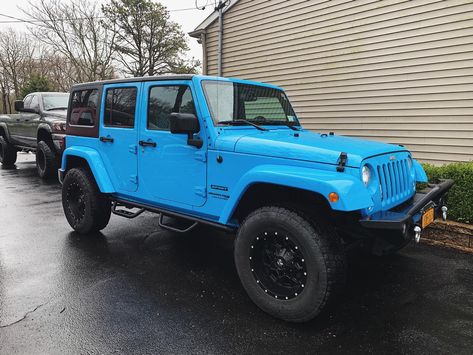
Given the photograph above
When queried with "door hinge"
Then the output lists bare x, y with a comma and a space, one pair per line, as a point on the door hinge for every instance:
133, 149
200, 190
134, 179
201, 155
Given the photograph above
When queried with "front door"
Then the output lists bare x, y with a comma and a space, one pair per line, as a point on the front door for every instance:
119, 134
23, 132
170, 171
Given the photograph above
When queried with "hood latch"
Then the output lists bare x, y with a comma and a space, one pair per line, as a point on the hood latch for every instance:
342, 161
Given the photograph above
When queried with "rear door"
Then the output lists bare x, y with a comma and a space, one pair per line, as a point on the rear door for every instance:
119, 134
170, 171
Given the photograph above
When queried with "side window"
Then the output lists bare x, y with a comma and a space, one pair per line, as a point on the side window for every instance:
164, 100
34, 105
27, 101
120, 107
84, 107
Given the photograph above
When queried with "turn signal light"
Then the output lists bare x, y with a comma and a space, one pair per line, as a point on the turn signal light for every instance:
333, 197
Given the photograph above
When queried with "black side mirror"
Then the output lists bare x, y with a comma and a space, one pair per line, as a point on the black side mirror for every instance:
19, 105
186, 123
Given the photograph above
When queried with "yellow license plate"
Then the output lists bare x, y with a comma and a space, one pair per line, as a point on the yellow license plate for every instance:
428, 217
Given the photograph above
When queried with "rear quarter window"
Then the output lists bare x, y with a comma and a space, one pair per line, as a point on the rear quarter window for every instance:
84, 107
84, 112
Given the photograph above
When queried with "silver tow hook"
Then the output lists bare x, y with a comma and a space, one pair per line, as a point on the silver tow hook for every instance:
444, 212
417, 231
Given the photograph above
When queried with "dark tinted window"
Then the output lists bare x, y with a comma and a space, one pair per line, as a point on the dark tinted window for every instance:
84, 107
164, 100
120, 107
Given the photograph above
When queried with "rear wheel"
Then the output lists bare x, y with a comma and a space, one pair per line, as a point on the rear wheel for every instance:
87, 210
7, 153
45, 161
289, 266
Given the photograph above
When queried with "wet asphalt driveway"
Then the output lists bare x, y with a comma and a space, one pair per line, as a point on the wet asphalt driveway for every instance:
138, 289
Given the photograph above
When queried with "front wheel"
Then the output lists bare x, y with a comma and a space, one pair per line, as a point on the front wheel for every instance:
289, 266
87, 210
45, 161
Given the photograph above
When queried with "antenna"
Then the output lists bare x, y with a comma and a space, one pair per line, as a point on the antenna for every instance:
201, 7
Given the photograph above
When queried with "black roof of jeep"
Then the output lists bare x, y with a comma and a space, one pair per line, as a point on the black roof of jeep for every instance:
134, 80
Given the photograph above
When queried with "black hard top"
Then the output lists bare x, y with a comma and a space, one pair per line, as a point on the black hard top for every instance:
135, 80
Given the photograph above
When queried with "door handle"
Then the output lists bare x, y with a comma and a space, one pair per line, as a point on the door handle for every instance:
106, 139
147, 144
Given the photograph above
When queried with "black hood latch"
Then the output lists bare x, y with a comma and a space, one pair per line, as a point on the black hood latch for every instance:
342, 161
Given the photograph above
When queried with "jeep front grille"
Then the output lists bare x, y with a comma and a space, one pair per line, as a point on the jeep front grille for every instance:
394, 181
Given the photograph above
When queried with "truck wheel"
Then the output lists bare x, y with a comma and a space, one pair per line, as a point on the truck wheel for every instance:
87, 210
7, 153
45, 161
289, 267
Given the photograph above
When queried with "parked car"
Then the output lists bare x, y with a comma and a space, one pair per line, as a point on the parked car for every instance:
39, 126
232, 154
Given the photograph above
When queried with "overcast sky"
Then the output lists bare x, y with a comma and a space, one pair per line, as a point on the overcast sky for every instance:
188, 19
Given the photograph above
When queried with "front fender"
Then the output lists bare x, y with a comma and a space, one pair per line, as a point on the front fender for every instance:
352, 192
421, 176
95, 163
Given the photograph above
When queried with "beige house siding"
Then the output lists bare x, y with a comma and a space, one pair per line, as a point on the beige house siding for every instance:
395, 71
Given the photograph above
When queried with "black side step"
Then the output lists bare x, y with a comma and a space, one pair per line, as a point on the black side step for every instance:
125, 213
174, 229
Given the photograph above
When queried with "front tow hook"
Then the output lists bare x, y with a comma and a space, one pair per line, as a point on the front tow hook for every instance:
444, 212
417, 233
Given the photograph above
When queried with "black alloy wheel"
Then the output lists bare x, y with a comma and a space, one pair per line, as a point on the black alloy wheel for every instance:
278, 265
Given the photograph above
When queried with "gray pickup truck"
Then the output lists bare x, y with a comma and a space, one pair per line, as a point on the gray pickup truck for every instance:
39, 126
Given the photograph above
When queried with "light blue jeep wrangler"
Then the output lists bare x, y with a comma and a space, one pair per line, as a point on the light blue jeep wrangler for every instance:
232, 154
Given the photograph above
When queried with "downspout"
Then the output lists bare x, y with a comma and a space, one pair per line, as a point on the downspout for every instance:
203, 41
220, 7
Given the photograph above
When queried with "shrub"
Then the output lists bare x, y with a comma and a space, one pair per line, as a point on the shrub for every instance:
460, 197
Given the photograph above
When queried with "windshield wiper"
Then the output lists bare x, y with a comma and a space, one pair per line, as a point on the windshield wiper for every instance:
56, 108
284, 123
243, 122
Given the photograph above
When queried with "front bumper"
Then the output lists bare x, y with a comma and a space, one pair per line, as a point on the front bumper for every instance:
408, 215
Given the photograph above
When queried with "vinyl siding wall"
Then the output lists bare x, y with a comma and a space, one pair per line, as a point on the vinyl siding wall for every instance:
395, 71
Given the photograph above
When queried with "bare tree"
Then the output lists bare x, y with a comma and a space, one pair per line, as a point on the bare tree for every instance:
15, 52
74, 31
148, 42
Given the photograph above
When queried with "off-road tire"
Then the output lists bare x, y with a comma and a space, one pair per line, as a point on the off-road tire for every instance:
46, 161
87, 210
324, 262
7, 153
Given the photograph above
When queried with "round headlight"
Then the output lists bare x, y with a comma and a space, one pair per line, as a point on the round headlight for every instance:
366, 174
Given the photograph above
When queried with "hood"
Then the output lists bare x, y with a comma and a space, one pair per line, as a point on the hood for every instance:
304, 145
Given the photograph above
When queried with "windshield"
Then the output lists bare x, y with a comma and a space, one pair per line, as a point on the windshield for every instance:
229, 101
55, 101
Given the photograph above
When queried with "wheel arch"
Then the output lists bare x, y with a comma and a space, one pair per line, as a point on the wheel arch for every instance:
309, 185
88, 158
44, 134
